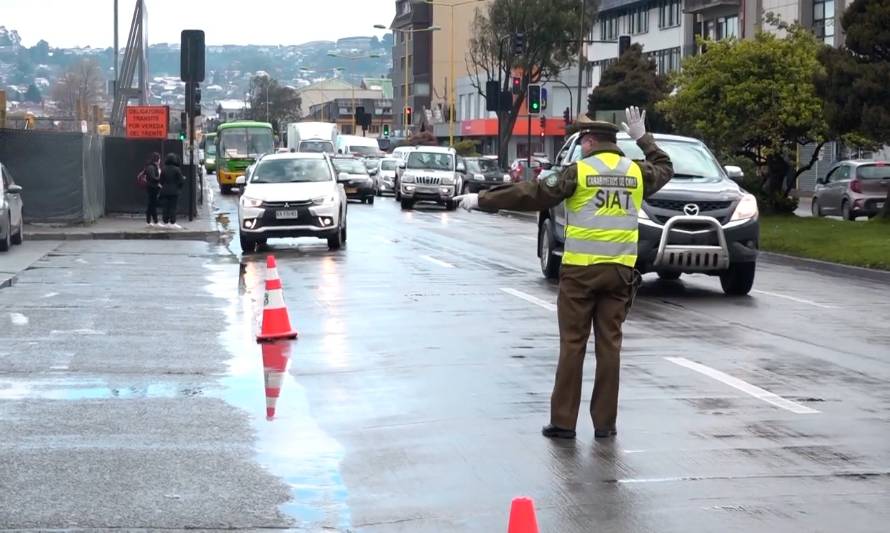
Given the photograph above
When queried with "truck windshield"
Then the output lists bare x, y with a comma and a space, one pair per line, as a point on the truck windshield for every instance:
690, 160
241, 143
318, 147
211, 149
364, 150
430, 161
291, 171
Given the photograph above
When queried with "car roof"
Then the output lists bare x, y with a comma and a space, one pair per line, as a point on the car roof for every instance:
294, 155
436, 149
861, 162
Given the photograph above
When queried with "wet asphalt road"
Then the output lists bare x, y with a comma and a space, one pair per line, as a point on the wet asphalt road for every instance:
132, 392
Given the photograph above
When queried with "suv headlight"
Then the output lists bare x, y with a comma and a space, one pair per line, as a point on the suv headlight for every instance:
247, 201
747, 208
478, 177
507, 178
407, 178
323, 200
448, 180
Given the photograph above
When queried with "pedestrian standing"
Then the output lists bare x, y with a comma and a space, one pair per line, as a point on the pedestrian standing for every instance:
152, 188
603, 194
172, 181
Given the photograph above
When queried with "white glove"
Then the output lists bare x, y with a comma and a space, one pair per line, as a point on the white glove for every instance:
636, 123
468, 201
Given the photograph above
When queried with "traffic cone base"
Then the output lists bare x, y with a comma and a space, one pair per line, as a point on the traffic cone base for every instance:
276, 323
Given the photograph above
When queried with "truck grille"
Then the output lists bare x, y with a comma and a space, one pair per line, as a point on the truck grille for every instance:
427, 180
677, 205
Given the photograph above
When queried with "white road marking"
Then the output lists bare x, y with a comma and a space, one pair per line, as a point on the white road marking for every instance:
50, 294
59, 367
744, 386
528, 238
793, 299
18, 319
529, 298
437, 261
77, 332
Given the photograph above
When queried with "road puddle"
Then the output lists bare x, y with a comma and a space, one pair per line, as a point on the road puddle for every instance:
260, 380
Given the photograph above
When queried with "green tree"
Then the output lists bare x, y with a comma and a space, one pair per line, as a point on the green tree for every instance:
33, 95
755, 98
632, 80
270, 102
552, 32
854, 84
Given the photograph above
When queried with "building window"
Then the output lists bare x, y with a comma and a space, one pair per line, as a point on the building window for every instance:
667, 60
823, 20
669, 13
638, 20
404, 7
609, 27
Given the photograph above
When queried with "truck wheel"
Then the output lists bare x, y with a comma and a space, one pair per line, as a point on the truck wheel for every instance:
397, 192
669, 275
370, 200
225, 189
337, 240
450, 205
407, 204
738, 279
550, 262
247, 245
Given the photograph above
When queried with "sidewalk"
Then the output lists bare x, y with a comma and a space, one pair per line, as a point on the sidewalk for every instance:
20, 258
114, 227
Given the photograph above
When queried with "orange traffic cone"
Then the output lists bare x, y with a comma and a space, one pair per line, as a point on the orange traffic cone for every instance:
275, 358
522, 516
276, 324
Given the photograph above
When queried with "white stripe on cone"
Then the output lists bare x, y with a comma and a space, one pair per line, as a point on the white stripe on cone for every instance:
272, 273
274, 300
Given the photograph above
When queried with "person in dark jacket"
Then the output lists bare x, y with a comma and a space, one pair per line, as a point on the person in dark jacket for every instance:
152, 188
172, 181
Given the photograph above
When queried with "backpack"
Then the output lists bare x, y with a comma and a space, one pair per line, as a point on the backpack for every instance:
142, 179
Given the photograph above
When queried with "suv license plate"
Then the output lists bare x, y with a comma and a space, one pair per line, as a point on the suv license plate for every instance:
287, 214
351, 190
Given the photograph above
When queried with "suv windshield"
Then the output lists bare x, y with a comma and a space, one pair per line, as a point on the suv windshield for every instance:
430, 161
481, 165
317, 147
350, 166
364, 150
388, 165
691, 160
873, 172
291, 171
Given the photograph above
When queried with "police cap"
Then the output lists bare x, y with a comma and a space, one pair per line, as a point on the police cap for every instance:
586, 124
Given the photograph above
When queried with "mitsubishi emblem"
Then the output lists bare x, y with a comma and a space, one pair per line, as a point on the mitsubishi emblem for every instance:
691, 209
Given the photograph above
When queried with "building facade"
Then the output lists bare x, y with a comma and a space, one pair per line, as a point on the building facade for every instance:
342, 110
412, 62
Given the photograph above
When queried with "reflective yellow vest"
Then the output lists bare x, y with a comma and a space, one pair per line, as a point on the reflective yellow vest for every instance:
601, 216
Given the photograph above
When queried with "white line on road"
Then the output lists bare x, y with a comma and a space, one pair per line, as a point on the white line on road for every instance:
528, 238
437, 261
529, 298
18, 319
50, 295
793, 299
744, 386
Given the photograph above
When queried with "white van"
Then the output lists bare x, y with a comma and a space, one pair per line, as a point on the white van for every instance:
358, 146
319, 137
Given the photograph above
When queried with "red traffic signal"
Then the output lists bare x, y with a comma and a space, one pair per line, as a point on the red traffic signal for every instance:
543, 124
408, 115
517, 85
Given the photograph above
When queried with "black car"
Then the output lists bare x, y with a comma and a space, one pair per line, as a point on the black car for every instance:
701, 221
353, 174
483, 173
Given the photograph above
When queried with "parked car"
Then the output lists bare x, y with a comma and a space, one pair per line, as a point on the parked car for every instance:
351, 171
385, 175
852, 189
701, 221
431, 174
291, 195
483, 173
11, 221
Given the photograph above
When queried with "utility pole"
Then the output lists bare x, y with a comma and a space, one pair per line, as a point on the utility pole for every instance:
580, 55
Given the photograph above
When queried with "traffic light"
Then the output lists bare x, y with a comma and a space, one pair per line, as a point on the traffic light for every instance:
567, 116
492, 90
517, 84
196, 100
386, 130
183, 126
543, 98
408, 115
623, 44
534, 99
519, 44
360, 115
543, 124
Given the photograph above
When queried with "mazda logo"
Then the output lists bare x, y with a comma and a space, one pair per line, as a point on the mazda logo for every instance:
690, 209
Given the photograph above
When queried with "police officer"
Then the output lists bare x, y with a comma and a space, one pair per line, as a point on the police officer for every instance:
603, 194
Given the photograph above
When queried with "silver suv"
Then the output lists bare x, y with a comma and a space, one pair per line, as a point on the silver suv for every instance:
431, 174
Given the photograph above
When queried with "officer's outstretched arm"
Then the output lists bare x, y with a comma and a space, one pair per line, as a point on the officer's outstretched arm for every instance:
535, 195
657, 170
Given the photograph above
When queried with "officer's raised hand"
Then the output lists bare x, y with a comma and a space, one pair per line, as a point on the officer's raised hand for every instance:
467, 201
635, 126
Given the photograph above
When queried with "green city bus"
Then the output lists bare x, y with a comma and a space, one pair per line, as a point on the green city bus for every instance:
238, 145
209, 146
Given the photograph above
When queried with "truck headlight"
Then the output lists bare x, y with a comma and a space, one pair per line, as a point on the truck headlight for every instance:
747, 208
407, 178
448, 180
507, 178
247, 201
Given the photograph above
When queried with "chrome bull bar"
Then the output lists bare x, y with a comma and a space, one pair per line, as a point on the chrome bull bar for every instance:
688, 257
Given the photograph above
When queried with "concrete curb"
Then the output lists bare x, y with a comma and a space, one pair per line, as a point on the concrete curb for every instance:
8, 282
209, 236
826, 267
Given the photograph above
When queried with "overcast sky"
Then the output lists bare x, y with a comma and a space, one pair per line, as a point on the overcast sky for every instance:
71, 23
